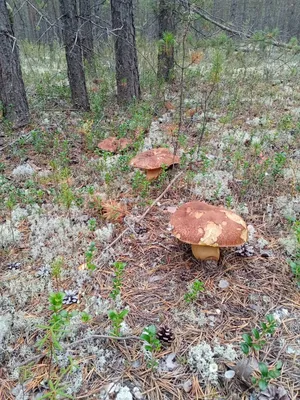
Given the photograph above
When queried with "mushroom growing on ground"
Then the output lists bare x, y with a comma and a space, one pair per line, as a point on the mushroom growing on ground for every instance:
109, 144
114, 144
152, 161
207, 228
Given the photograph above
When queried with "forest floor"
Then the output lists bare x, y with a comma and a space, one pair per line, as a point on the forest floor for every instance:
64, 202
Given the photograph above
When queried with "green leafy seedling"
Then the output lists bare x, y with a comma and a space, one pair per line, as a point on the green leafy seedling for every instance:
89, 255
117, 280
196, 288
149, 336
266, 374
255, 340
117, 319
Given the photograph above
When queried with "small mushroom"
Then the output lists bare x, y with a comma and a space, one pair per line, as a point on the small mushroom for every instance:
109, 144
123, 143
152, 161
207, 228
113, 144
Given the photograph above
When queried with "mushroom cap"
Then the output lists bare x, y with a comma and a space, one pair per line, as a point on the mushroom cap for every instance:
154, 158
123, 143
201, 224
109, 144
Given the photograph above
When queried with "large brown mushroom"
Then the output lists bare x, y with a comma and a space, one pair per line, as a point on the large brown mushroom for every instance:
207, 228
152, 161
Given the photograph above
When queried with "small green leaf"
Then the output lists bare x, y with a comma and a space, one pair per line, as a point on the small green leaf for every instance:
148, 347
262, 384
279, 364
263, 325
145, 336
247, 338
256, 346
263, 369
255, 333
245, 348
270, 318
152, 329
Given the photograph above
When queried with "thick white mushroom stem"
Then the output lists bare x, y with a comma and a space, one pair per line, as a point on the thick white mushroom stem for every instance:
206, 252
153, 173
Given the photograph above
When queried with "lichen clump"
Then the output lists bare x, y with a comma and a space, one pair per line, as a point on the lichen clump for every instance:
203, 359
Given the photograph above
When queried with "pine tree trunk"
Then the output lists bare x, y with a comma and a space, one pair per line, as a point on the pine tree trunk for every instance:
74, 54
12, 90
127, 74
86, 30
165, 65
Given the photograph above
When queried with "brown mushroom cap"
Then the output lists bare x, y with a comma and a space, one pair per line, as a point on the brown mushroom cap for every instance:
109, 144
201, 224
154, 159
123, 143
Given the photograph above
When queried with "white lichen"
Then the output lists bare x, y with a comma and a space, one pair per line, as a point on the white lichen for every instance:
203, 358
18, 214
105, 233
52, 236
9, 235
288, 206
191, 315
124, 394
290, 244
23, 170
213, 186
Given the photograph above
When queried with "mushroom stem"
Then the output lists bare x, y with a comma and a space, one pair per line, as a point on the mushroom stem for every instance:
153, 173
206, 252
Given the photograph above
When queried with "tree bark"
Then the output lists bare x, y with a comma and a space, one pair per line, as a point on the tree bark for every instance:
12, 89
127, 74
86, 30
166, 26
74, 54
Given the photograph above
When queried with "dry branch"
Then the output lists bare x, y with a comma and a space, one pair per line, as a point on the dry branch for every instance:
145, 213
204, 14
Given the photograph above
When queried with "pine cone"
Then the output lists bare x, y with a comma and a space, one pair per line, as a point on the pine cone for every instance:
165, 334
14, 266
185, 275
274, 393
71, 297
245, 250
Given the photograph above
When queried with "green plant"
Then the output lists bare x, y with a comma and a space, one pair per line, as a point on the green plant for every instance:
217, 67
279, 162
152, 345
55, 328
56, 391
140, 183
166, 44
117, 280
56, 269
89, 255
116, 319
196, 288
229, 201
258, 337
266, 374
149, 336
92, 223
66, 196
85, 317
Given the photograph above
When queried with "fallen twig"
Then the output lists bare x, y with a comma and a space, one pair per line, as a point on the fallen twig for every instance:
145, 213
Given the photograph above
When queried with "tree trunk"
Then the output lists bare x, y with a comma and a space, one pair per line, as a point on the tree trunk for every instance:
86, 30
12, 90
74, 54
127, 73
166, 30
